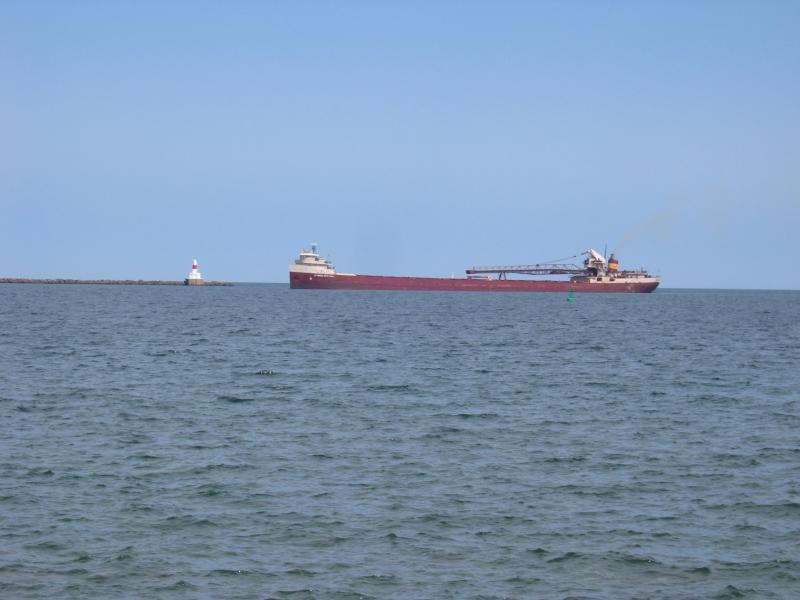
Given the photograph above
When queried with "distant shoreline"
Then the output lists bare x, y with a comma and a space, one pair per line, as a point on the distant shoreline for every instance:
110, 281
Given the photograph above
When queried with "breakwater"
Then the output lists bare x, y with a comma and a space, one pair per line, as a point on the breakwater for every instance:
107, 281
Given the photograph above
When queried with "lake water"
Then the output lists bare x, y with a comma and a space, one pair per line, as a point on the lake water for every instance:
261, 442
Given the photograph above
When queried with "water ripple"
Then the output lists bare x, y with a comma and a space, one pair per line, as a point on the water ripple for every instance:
281, 444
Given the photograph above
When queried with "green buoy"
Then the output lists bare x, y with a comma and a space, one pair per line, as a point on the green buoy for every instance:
571, 295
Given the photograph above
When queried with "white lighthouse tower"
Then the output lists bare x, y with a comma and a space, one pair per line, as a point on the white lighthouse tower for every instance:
194, 277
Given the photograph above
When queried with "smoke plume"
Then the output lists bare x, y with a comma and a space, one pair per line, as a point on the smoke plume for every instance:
659, 224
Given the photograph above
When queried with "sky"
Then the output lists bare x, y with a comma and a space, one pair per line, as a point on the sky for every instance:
405, 138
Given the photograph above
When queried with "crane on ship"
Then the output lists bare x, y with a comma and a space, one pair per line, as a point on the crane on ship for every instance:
594, 265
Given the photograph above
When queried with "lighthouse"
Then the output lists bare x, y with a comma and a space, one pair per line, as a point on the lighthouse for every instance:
194, 277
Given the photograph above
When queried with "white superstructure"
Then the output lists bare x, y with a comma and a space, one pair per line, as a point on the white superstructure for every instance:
310, 261
602, 271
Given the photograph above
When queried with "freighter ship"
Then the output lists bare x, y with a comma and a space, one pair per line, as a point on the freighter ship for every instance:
311, 271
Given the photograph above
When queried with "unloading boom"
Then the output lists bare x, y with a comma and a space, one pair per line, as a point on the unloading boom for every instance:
595, 264
537, 269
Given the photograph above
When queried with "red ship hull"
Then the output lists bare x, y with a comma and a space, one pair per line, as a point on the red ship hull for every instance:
441, 284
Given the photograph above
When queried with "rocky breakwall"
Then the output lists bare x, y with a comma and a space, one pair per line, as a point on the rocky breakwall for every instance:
106, 281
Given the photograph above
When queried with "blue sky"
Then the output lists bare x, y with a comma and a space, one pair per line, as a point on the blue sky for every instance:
404, 137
